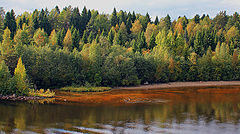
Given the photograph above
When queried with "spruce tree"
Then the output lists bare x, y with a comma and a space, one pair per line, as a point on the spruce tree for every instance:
84, 37
75, 38
90, 37
10, 22
111, 36
152, 43
156, 21
114, 18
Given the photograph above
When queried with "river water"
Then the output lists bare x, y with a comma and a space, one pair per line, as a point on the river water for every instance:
175, 111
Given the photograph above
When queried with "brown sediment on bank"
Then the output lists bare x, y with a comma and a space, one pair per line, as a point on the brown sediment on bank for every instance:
157, 93
185, 84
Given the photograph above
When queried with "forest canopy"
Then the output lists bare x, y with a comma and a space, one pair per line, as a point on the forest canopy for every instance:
71, 47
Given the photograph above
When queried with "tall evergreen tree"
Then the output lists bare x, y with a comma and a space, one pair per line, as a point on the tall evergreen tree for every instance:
141, 42
75, 19
168, 22
111, 36
133, 17
90, 37
60, 37
84, 37
152, 43
44, 22
114, 18
10, 22
156, 20
75, 38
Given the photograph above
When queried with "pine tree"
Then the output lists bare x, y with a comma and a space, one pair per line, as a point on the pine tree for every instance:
20, 76
111, 36
118, 39
84, 37
75, 19
198, 44
114, 18
196, 18
67, 42
133, 17
129, 25
10, 22
167, 20
156, 21
152, 43
141, 42
90, 37
75, 38
44, 22
60, 37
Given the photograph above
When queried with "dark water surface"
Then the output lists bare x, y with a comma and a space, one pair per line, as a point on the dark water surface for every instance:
185, 112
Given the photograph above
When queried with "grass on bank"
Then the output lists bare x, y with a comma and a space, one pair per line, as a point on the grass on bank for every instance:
85, 89
41, 93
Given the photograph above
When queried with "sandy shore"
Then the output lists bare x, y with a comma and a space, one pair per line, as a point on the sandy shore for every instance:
185, 84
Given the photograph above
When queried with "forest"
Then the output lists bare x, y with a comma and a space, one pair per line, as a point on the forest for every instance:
58, 48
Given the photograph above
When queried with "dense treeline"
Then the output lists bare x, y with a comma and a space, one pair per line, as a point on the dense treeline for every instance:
72, 47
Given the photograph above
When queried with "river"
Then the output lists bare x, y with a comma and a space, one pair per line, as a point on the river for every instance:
198, 110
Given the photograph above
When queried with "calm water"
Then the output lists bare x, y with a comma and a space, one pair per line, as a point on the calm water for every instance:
179, 113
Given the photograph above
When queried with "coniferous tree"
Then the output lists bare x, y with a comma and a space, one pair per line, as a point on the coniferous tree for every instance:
84, 37
10, 22
67, 41
167, 20
156, 20
75, 38
60, 37
40, 37
21, 77
114, 18
90, 37
75, 19
133, 17
129, 25
118, 39
196, 18
152, 43
44, 22
198, 44
141, 42
84, 19
111, 36
53, 39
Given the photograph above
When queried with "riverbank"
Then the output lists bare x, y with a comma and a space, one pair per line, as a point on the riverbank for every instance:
185, 84
19, 98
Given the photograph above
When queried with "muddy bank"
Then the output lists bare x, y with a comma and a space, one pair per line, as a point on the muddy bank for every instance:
19, 98
185, 84
136, 95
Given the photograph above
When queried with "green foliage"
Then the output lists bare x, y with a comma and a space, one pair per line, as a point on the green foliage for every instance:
7, 83
40, 38
20, 76
41, 93
120, 49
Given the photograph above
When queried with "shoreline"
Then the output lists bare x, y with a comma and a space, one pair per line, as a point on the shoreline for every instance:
183, 84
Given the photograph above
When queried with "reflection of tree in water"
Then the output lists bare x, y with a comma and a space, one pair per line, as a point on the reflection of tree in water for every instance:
180, 109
